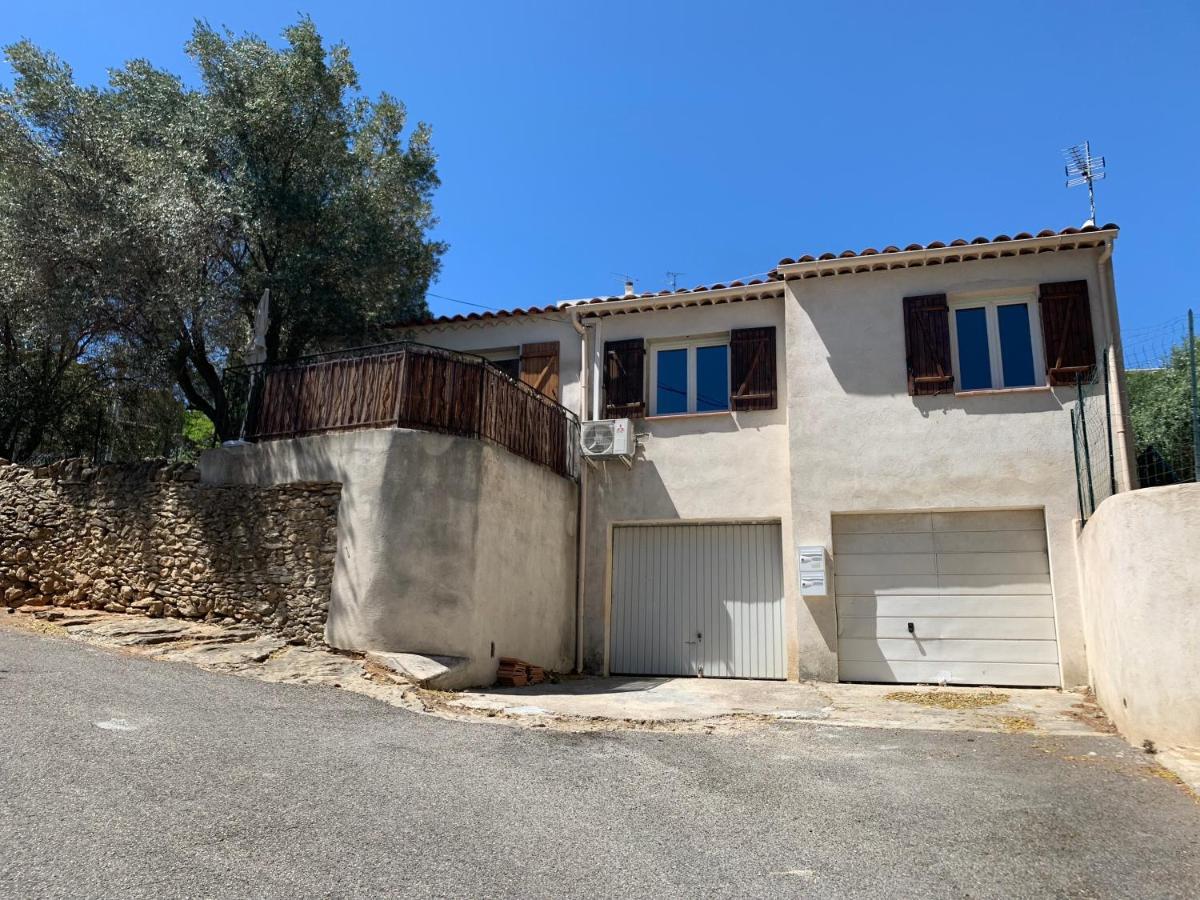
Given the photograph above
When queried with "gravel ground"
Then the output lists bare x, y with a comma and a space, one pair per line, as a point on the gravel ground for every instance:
126, 776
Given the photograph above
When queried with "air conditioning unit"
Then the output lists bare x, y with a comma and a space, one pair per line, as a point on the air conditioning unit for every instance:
608, 438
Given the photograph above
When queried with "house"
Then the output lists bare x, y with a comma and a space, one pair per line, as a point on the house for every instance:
860, 467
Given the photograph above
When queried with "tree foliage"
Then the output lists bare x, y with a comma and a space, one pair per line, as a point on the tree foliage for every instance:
146, 217
1160, 408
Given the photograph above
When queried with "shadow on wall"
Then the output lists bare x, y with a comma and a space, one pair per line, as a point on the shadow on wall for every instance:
864, 349
640, 494
447, 545
989, 404
265, 463
402, 503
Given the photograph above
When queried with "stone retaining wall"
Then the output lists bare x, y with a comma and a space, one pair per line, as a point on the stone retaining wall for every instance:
150, 538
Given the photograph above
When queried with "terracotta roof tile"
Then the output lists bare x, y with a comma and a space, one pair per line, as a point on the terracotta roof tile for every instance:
775, 276
939, 245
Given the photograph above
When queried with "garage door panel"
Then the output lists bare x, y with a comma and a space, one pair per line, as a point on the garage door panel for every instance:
875, 585
948, 650
887, 585
687, 598
888, 564
1002, 674
1007, 628
870, 523
961, 605
916, 542
987, 616
992, 563
988, 541
989, 520
1031, 583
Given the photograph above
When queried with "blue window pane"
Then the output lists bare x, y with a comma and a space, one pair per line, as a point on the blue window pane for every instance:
974, 363
1016, 346
671, 390
712, 378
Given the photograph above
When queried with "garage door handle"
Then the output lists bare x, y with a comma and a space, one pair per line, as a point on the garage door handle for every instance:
911, 629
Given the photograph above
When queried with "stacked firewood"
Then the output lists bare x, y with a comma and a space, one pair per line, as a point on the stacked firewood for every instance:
514, 672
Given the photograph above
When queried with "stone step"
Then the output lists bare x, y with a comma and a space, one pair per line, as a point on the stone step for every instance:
421, 669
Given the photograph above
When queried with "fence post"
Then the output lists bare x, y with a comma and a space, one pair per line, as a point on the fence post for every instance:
1087, 452
483, 384
1195, 398
1078, 474
258, 383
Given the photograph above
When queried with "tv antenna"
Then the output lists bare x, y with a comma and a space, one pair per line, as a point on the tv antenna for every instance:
1083, 168
673, 277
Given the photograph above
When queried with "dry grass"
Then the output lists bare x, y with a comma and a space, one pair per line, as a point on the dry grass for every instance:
29, 623
1157, 770
949, 699
1016, 724
1164, 773
1089, 712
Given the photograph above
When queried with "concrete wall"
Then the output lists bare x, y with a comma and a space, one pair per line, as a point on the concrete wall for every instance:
445, 544
1139, 557
714, 467
859, 442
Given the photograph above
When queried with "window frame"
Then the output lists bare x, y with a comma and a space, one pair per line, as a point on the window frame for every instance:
503, 355
990, 302
690, 344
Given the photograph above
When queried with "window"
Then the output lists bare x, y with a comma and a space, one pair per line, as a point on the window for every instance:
690, 377
995, 343
507, 360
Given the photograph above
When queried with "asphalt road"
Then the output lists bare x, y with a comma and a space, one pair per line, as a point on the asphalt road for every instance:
126, 777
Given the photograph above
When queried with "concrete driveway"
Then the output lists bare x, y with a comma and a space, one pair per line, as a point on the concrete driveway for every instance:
665, 700
137, 777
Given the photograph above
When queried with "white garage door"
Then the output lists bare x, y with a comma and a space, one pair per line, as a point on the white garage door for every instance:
697, 600
959, 597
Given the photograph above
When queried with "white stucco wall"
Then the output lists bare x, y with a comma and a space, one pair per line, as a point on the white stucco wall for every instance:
445, 544
858, 441
847, 437
1139, 556
714, 467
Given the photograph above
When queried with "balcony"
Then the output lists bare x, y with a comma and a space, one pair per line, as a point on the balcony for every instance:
406, 385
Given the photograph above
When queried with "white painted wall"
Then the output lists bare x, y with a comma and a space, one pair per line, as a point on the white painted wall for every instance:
445, 544
846, 438
1138, 556
717, 467
858, 442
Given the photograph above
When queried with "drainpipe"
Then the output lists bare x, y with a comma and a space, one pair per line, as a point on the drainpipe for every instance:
597, 364
1126, 470
581, 509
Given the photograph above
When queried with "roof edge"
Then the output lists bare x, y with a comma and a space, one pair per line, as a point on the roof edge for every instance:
891, 257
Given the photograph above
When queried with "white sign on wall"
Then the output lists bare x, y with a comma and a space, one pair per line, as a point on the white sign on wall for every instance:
810, 566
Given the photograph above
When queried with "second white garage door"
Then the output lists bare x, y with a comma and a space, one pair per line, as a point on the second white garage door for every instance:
959, 597
698, 600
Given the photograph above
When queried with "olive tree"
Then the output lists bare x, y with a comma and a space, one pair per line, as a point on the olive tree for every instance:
154, 213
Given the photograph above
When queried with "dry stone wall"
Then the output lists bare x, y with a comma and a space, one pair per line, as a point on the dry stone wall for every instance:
150, 538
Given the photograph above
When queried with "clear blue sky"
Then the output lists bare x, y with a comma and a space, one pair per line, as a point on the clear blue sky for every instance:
581, 139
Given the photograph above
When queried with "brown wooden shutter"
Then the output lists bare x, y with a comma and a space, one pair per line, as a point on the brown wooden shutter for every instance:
927, 345
1067, 331
539, 367
624, 379
752, 369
